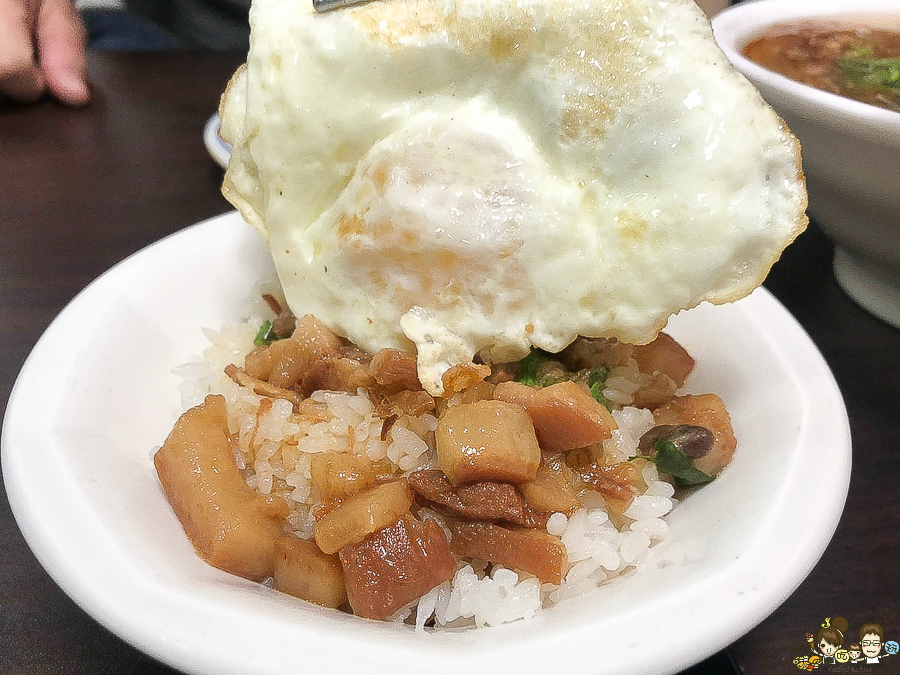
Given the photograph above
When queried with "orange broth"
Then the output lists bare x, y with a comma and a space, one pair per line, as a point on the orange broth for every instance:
855, 60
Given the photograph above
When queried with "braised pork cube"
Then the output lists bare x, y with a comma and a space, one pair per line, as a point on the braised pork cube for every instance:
284, 363
394, 370
487, 441
354, 519
464, 383
261, 387
616, 482
468, 379
232, 527
484, 500
587, 353
668, 364
553, 488
304, 571
395, 565
339, 475
406, 402
347, 372
565, 415
658, 391
708, 411
312, 358
664, 355
532, 551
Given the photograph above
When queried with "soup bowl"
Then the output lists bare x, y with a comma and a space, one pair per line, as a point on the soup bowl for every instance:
851, 150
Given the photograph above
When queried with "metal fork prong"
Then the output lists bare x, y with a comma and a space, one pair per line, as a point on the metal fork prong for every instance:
328, 5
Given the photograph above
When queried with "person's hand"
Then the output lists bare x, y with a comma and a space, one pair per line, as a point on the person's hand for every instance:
42, 51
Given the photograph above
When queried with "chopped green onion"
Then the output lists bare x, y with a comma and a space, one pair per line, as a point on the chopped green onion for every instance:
527, 372
266, 334
872, 73
669, 459
596, 383
860, 52
598, 376
597, 393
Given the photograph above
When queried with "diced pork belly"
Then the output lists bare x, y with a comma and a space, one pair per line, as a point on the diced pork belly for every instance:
312, 358
706, 410
657, 391
338, 373
405, 402
261, 387
478, 501
532, 551
487, 441
312, 342
463, 377
592, 352
552, 490
479, 391
668, 364
395, 565
617, 482
503, 372
394, 370
259, 362
664, 355
304, 571
285, 362
565, 415
339, 475
232, 527
354, 519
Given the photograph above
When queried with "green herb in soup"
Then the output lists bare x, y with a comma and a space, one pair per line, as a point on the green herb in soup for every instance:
876, 74
855, 61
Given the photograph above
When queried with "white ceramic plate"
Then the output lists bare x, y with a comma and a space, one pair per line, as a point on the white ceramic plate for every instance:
97, 395
218, 149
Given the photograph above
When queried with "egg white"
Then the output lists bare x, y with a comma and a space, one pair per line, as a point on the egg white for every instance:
468, 176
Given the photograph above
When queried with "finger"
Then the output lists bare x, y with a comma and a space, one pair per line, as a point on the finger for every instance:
20, 77
61, 39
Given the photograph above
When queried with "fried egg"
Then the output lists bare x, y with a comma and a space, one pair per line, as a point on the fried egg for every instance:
464, 176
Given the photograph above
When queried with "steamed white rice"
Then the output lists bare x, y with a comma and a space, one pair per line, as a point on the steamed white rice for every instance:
275, 450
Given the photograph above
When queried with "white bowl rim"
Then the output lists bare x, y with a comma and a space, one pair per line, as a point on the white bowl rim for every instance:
198, 619
737, 25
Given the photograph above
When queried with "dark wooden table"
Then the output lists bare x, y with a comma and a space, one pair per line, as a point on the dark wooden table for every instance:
82, 189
